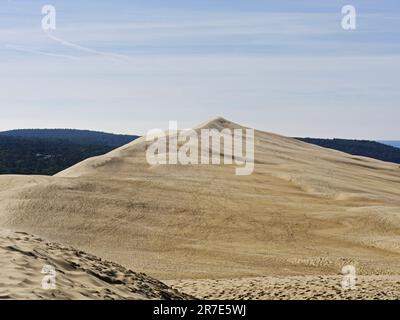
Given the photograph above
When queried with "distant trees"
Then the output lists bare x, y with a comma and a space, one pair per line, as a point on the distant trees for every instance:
366, 148
77, 136
47, 152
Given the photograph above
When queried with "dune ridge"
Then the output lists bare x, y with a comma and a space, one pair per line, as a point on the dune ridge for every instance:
78, 275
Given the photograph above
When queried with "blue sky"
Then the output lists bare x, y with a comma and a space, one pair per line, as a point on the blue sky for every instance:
129, 66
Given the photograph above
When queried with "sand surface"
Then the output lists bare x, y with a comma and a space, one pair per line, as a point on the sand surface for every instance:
292, 288
78, 275
305, 211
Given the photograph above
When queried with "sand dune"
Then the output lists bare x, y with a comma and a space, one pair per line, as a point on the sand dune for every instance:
78, 275
305, 210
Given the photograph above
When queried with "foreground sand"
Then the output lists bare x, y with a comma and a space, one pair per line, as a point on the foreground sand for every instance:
291, 288
78, 275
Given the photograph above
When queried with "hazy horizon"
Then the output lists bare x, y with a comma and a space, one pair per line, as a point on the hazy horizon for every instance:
166, 128
126, 67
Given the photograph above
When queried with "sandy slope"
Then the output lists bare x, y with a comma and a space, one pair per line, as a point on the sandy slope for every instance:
78, 275
305, 210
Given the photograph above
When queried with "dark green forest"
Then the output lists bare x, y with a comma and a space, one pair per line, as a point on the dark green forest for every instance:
366, 148
47, 152
85, 137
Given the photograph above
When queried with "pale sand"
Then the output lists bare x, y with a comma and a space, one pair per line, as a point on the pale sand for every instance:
306, 210
78, 275
292, 288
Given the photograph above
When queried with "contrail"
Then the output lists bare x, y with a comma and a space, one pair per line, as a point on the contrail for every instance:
43, 53
85, 49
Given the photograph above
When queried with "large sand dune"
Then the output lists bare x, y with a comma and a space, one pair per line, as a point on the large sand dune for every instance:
305, 210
